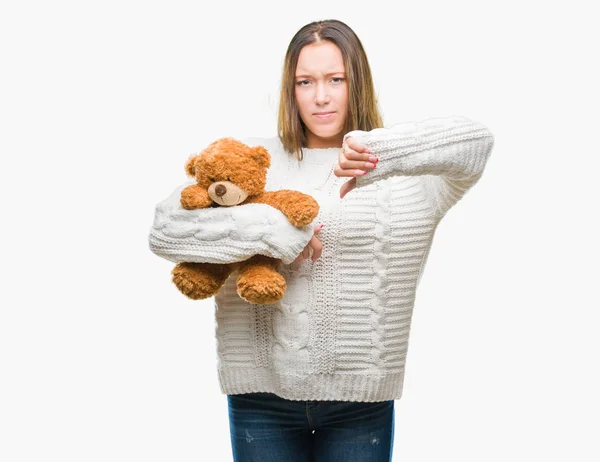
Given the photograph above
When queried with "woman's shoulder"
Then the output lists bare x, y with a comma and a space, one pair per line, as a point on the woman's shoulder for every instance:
270, 143
279, 158
273, 144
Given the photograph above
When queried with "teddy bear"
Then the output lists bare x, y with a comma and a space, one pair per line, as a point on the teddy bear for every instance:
230, 173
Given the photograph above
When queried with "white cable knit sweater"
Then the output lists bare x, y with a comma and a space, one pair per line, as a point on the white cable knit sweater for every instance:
341, 331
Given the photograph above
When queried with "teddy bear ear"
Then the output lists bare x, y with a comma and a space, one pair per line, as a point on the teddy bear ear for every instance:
190, 165
262, 156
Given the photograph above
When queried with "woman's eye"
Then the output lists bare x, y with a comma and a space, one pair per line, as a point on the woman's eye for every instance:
304, 83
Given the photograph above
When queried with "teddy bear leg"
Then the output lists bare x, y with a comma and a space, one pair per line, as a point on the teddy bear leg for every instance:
259, 280
200, 280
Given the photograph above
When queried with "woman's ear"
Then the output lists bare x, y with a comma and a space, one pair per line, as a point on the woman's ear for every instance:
261, 156
190, 165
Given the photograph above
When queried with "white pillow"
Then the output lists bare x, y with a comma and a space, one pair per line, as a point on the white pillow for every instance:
224, 234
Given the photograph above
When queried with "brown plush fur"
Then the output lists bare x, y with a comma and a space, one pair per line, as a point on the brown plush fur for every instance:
231, 171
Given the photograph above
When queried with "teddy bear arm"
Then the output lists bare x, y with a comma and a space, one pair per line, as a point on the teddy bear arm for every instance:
300, 209
195, 197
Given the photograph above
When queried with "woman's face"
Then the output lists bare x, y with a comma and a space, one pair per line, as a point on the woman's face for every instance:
322, 94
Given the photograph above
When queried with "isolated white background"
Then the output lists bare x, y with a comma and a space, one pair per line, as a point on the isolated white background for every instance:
102, 359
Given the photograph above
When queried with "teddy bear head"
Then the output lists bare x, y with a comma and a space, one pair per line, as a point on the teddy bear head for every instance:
230, 170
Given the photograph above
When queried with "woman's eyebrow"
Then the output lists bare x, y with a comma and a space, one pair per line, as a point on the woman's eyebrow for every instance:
326, 75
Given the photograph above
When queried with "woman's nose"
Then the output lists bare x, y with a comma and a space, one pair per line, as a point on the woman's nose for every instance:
322, 96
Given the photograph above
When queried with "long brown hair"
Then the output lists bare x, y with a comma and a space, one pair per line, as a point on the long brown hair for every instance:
363, 113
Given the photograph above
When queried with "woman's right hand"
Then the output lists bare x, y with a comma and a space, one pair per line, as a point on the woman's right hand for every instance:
314, 244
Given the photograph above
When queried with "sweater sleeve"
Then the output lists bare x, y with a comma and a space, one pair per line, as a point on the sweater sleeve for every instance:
223, 234
449, 153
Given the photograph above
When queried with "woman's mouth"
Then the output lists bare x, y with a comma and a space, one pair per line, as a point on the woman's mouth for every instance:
324, 115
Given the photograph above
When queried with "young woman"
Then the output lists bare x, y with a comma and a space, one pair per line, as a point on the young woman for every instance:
315, 375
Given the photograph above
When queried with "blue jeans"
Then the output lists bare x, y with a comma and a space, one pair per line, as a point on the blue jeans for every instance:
267, 428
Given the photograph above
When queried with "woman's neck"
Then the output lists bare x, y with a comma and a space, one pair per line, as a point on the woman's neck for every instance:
317, 142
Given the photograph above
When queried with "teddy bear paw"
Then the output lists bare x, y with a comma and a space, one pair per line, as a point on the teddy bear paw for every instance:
195, 281
259, 290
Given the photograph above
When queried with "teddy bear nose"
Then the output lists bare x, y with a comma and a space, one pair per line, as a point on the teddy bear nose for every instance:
220, 190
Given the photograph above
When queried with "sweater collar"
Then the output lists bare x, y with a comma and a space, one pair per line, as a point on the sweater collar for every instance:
320, 156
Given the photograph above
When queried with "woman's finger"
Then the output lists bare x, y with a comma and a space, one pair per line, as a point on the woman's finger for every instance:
347, 187
317, 248
306, 252
355, 145
340, 172
350, 155
313, 245
296, 263
346, 164
352, 163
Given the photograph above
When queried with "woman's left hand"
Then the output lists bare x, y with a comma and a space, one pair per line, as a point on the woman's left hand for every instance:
354, 160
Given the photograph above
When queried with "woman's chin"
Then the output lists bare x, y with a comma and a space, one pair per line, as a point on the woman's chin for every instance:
328, 136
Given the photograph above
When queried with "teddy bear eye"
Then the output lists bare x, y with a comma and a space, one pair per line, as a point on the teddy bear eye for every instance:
212, 180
